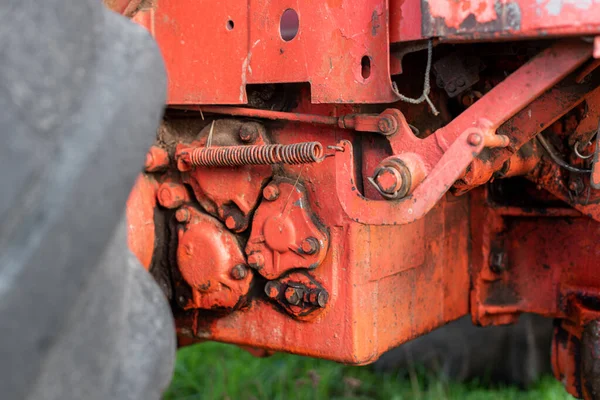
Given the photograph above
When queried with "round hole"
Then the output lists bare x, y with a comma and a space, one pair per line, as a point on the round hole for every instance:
365, 67
288, 25
229, 25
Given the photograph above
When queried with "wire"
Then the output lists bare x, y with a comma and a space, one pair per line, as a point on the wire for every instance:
426, 84
578, 154
559, 160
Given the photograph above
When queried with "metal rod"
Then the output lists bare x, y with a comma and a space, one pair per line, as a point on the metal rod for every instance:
273, 115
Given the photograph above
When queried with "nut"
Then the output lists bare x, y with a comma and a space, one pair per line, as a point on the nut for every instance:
389, 180
293, 295
272, 289
310, 245
271, 192
256, 260
239, 272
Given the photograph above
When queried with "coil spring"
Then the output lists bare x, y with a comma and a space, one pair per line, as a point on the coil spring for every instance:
229, 156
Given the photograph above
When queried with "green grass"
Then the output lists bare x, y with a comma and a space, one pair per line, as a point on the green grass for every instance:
218, 371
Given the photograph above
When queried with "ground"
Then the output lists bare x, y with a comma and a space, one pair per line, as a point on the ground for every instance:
217, 371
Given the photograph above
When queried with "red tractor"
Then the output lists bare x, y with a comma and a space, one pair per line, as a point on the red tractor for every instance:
334, 178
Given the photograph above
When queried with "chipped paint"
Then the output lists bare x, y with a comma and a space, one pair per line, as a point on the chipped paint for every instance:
245, 68
454, 13
554, 7
470, 18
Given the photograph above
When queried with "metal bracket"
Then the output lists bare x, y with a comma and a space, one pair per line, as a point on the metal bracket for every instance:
398, 212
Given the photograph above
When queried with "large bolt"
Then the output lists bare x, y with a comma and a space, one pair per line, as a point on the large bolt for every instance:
293, 295
271, 192
172, 195
310, 245
248, 133
317, 297
156, 159
256, 260
272, 289
239, 272
389, 180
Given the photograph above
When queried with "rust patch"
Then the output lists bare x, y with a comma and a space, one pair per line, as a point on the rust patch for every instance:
501, 294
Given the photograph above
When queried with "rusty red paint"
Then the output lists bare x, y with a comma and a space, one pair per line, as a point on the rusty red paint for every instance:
195, 37
496, 19
247, 50
289, 257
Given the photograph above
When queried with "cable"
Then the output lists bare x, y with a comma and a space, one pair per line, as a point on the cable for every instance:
426, 85
559, 160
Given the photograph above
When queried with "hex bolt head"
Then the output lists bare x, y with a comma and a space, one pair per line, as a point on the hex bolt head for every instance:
256, 260
272, 289
239, 272
248, 133
271, 192
293, 295
474, 139
182, 215
310, 245
389, 180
